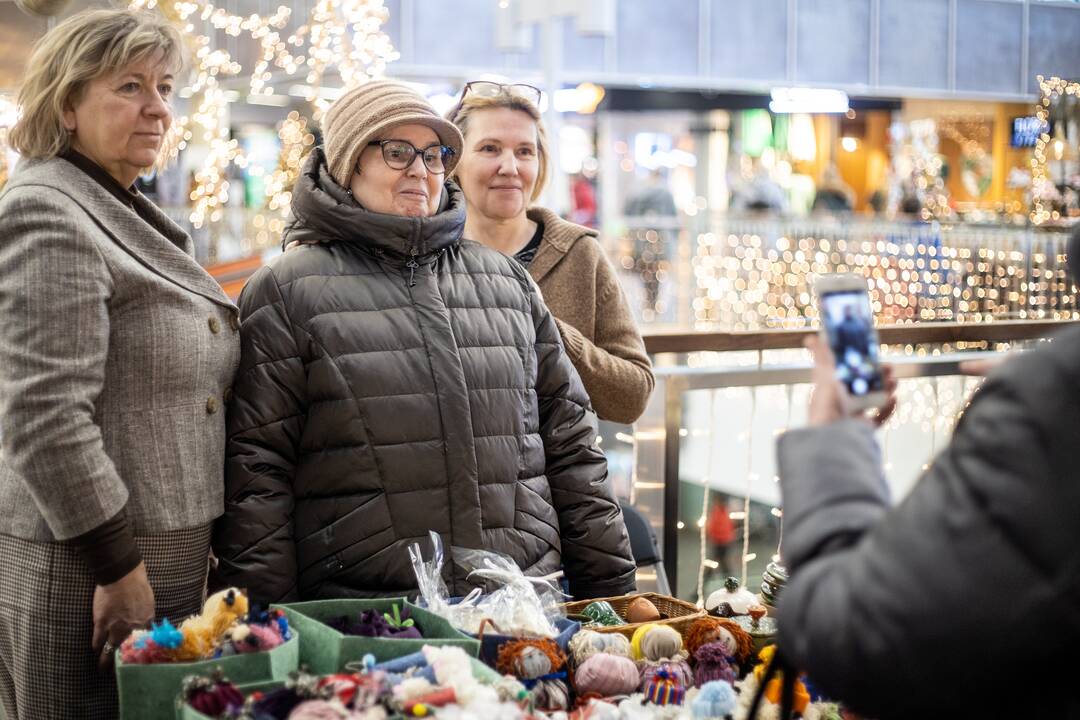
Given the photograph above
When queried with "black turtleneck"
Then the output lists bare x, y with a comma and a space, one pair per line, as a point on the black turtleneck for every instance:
103, 178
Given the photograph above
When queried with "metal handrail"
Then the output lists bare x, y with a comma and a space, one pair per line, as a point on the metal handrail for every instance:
909, 334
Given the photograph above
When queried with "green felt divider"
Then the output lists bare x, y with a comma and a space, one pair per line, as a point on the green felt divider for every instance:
324, 650
148, 692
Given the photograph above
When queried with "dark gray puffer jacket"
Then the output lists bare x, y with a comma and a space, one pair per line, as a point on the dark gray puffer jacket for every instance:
396, 379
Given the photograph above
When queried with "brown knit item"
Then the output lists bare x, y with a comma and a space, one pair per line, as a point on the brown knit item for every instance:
366, 112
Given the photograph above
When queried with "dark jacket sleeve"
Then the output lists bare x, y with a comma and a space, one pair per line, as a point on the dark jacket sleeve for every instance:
595, 546
253, 540
973, 572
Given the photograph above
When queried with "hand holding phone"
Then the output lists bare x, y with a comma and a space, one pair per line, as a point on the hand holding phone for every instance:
847, 329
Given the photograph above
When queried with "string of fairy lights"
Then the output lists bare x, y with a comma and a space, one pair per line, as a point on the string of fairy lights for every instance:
1052, 89
747, 281
344, 36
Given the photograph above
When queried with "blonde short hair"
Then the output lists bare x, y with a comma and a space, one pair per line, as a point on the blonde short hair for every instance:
461, 113
84, 47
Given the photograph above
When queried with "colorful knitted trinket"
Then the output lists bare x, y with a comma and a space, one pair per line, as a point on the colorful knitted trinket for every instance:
602, 613
664, 688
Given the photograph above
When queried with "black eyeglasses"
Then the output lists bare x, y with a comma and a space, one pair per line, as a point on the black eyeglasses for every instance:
489, 89
399, 155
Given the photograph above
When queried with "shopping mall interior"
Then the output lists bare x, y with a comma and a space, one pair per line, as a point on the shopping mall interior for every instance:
726, 152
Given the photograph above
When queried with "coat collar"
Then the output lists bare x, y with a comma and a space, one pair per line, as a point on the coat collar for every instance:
559, 236
157, 242
323, 211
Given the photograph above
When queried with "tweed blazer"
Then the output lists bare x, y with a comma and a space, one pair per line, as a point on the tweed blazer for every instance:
116, 349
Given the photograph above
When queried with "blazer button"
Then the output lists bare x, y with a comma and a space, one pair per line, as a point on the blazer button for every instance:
215, 325
227, 395
234, 322
211, 405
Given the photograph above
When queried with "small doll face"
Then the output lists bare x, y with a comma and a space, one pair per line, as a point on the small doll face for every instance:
727, 640
533, 663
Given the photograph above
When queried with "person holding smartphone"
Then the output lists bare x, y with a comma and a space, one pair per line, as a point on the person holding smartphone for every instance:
934, 607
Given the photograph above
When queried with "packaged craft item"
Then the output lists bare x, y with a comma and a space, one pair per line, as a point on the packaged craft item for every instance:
515, 603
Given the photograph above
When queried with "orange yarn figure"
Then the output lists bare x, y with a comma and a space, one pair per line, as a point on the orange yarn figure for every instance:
707, 630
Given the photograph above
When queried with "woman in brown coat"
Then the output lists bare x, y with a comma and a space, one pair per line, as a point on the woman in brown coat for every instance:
503, 168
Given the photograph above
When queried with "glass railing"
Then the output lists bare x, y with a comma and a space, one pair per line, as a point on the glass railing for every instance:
706, 444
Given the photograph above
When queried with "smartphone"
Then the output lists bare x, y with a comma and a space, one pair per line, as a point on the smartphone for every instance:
847, 325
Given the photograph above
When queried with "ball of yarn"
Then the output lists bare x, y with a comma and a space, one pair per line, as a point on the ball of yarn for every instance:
587, 643
318, 710
601, 612
659, 642
715, 699
550, 695
607, 675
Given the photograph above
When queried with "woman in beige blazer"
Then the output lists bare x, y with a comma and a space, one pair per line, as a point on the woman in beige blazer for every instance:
116, 352
504, 164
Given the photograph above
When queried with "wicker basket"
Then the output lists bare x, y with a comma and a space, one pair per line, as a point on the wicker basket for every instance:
676, 614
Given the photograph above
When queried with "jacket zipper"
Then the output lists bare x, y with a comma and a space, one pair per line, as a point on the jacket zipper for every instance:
412, 265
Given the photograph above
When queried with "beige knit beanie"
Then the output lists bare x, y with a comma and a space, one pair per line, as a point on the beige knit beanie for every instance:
363, 113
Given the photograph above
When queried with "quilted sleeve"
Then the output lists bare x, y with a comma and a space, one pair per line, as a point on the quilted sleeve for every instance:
253, 540
595, 546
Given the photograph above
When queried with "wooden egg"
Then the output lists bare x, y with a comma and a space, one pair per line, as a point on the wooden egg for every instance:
641, 610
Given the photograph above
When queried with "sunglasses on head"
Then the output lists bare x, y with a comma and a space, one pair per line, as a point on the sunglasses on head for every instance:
487, 88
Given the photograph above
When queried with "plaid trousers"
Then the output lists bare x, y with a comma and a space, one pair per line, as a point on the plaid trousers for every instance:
47, 668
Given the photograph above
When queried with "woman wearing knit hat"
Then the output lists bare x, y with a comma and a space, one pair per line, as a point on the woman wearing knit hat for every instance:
395, 379
503, 169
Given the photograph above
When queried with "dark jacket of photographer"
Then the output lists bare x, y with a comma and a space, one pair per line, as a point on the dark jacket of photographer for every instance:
961, 601
396, 379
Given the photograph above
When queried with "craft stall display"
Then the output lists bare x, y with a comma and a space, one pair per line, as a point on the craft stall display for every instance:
636, 657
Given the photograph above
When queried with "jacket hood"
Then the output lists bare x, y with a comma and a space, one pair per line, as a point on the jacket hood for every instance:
323, 211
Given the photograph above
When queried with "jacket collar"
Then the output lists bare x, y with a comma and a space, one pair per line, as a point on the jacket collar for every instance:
559, 236
324, 211
163, 247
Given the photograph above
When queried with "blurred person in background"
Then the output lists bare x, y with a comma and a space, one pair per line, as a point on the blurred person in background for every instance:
503, 168
833, 194
395, 379
116, 349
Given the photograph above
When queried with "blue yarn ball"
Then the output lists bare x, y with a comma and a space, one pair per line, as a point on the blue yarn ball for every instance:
715, 699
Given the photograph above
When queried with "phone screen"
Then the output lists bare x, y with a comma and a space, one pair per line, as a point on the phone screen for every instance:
849, 327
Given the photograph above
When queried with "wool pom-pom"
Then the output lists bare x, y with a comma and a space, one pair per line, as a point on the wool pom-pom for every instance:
587, 643
716, 699
550, 695
165, 635
714, 663
607, 675
658, 642
255, 638
318, 710
140, 649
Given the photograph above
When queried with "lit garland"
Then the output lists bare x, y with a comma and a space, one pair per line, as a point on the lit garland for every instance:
1052, 89
343, 34
296, 140
747, 282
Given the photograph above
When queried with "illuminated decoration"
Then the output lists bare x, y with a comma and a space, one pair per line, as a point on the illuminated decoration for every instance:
343, 35
802, 142
849, 144
916, 157
582, 99
972, 135
296, 141
1042, 186
747, 280
808, 100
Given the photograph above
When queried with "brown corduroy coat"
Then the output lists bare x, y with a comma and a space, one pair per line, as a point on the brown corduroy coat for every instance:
582, 291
